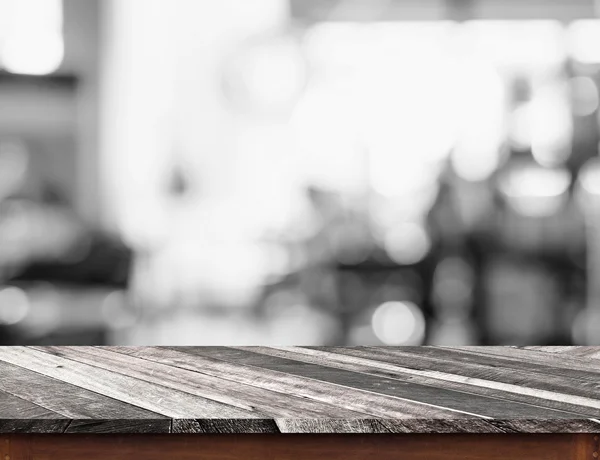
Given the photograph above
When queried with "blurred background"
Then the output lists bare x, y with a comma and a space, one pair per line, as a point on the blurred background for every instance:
311, 172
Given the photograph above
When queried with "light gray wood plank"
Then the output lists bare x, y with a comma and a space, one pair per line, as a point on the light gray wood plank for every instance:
573, 391
578, 351
68, 400
199, 383
437, 396
155, 398
373, 404
500, 357
224, 426
530, 404
381, 426
533, 356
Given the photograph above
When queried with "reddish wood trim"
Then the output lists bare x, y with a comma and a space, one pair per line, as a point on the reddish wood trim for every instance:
300, 447
588, 447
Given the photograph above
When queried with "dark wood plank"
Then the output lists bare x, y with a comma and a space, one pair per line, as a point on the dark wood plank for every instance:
33, 425
225, 426
13, 407
155, 398
138, 426
433, 379
437, 396
286, 379
573, 391
293, 447
68, 400
247, 397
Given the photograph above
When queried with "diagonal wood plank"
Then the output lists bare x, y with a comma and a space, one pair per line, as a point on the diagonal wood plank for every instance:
478, 356
68, 400
345, 397
530, 404
578, 392
155, 398
578, 351
534, 356
18, 408
475, 405
220, 389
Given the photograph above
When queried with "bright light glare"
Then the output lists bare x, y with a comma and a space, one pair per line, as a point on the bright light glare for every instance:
583, 37
551, 126
274, 74
535, 191
34, 43
399, 323
585, 96
407, 243
14, 305
589, 177
516, 44
477, 153
400, 173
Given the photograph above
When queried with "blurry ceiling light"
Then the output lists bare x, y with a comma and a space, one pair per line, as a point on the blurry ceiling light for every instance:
476, 154
521, 126
589, 177
551, 126
399, 323
407, 243
14, 305
583, 37
270, 75
525, 44
400, 172
34, 44
535, 191
584, 94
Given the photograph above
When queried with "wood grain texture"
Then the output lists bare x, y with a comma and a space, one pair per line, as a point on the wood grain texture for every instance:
279, 390
156, 398
68, 400
293, 447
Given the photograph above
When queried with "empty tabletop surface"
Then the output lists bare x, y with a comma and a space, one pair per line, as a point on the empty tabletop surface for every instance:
299, 390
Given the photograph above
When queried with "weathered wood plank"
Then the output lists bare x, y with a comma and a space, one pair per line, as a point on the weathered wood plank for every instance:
68, 400
287, 379
13, 407
155, 398
573, 391
138, 426
433, 379
437, 396
532, 356
16, 425
220, 388
499, 359
225, 426
381, 426
577, 351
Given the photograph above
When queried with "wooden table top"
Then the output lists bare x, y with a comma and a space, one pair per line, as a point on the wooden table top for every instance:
299, 390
